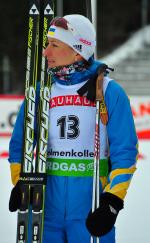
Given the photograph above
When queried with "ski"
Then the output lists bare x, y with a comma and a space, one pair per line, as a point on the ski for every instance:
30, 95
33, 173
42, 140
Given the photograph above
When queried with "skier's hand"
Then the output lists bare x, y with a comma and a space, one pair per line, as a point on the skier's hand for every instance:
102, 220
15, 198
22, 194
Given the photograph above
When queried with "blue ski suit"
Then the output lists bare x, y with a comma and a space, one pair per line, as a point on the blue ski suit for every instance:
68, 196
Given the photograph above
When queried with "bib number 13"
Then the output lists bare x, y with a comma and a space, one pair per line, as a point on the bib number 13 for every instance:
69, 127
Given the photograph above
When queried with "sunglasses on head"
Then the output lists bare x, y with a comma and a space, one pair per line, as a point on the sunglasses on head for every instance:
60, 22
63, 23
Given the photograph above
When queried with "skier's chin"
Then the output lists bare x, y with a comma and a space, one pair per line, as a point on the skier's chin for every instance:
51, 64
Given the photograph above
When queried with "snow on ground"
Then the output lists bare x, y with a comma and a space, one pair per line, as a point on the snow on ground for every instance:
7, 219
133, 222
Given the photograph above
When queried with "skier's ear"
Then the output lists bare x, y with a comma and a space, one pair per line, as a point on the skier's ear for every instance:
78, 57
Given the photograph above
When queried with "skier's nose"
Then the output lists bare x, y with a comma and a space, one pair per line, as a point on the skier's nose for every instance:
46, 51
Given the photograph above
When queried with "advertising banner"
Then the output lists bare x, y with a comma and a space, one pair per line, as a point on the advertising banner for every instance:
9, 107
141, 112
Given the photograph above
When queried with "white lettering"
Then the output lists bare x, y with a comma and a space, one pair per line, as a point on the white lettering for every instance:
28, 147
63, 166
73, 167
29, 135
81, 167
55, 166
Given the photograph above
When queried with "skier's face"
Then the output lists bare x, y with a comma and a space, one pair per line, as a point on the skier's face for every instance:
59, 54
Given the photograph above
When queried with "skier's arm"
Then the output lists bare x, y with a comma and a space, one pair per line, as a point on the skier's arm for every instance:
123, 152
17, 140
122, 140
16, 146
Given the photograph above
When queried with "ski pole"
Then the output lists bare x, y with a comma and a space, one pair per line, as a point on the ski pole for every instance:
95, 200
96, 173
89, 10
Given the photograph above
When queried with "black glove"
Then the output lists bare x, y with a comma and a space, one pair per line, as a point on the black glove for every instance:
102, 220
15, 198
17, 201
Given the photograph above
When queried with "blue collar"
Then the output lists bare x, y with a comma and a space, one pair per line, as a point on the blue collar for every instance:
79, 77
